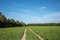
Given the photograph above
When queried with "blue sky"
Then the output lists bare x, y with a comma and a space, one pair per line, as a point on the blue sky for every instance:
32, 11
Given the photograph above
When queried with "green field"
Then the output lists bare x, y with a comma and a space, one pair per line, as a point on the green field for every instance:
11, 33
48, 32
15, 33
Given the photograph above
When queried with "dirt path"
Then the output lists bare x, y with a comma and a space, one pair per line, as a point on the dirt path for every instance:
36, 35
24, 35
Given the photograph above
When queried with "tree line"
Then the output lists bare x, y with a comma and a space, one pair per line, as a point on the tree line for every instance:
44, 24
4, 22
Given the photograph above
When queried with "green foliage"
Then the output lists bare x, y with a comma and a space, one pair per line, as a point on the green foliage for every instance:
17, 22
11, 20
2, 17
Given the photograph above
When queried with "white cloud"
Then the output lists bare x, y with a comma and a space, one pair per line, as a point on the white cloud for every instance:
43, 7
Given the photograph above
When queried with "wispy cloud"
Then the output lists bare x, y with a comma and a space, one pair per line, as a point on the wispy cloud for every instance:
29, 16
43, 7
48, 18
53, 14
51, 17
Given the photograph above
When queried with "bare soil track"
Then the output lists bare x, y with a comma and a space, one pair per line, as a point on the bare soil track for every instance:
36, 35
24, 35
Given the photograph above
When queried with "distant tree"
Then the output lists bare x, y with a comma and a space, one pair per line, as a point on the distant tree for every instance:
11, 22
0, 20
23, 23
17, 22
0, 13
3, 20
2, 17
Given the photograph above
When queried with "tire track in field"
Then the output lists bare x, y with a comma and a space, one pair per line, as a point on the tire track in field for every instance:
36, 34
24, 35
